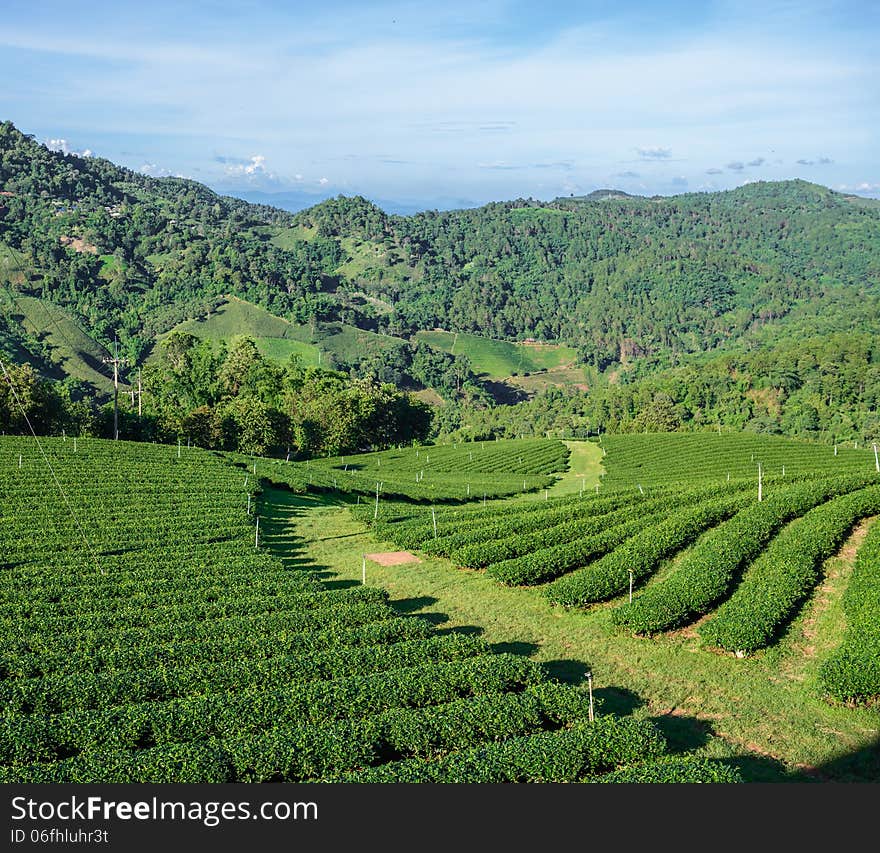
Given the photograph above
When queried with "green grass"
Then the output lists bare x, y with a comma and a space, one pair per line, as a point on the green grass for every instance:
763, 712
275, 337
584, 469
373, 262
348, 343
159, 259
287, 238
237, 317
500, 359
72, 350
109, 265
9, 261
281, 349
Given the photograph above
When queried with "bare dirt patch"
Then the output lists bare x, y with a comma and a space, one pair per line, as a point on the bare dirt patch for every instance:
393, 558
78, 245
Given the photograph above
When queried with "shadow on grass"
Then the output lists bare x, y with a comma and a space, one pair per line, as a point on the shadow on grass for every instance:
411, 605
759, 768
463, 630
523, 648
569, 671
863, 765
619, 700
682, 733
338, 584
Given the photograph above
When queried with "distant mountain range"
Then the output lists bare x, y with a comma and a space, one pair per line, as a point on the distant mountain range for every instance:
295, 201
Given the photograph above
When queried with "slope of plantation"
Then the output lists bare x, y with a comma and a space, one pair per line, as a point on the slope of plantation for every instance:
592, 547
71, 349
642, 553
708, 572
766, 703
783, 576
454, 472
534, 541
144, 638
852, 673
667, 457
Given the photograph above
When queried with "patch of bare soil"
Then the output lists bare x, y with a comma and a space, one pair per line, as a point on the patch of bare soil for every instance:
393, 558
78, 245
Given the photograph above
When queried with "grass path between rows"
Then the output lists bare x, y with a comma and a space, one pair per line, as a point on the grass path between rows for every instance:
762, 712
584, 469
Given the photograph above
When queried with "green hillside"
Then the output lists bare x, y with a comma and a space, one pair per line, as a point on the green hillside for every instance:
500, 359
326, 344
70, 350
754, 308
275, 338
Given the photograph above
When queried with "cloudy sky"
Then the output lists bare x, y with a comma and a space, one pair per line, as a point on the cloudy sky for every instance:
444, 104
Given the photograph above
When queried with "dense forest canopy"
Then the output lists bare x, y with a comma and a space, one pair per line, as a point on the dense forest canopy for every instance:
757, 308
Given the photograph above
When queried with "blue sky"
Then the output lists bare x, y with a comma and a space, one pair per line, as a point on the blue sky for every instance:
441, 104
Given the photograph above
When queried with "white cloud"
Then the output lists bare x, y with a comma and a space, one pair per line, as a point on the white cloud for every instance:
61, 146
654, 152
156, 171
458, 100
862, 187
255, 165
323, 182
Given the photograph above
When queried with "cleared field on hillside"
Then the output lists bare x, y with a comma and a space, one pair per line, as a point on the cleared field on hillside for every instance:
325, 344
275, 337
72, 349
500, 359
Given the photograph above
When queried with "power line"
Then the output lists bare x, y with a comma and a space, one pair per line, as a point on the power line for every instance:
45, 304
51, 469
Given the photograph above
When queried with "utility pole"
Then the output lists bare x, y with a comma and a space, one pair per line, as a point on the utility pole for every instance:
115, 361
138, 393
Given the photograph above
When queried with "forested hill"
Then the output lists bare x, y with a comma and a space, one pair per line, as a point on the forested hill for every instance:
624, 278
647, 291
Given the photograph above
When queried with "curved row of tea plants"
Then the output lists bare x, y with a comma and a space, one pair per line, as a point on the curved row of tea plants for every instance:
709, 571
782, 577
144, 637
660, 458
